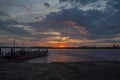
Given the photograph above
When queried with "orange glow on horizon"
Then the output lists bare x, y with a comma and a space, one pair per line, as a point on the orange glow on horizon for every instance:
60, 45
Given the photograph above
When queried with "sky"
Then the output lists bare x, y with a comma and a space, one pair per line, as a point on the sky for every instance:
60, 23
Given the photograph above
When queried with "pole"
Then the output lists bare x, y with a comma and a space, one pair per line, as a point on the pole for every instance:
23, 44
47, 50
0, 51
14, 43
11, 51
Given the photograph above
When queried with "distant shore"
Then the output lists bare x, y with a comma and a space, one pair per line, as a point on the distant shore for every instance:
91, 70
83, 47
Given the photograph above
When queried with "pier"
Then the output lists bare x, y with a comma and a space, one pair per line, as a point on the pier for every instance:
23, 52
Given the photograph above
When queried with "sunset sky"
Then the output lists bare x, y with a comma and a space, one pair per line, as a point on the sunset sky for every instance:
60, 23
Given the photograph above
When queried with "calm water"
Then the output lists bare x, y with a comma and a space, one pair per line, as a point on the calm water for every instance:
74, 55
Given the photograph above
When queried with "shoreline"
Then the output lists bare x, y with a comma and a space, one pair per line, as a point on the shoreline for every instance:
89, 70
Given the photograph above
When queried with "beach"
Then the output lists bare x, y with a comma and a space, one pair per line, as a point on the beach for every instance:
90, 70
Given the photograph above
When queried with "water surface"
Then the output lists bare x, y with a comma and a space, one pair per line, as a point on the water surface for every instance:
75, 55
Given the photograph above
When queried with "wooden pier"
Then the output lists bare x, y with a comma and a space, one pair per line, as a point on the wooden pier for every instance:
23, 52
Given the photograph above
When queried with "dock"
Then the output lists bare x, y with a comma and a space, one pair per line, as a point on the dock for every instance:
22, 53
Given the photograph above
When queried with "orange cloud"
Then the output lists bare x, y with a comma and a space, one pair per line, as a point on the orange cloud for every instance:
58, 43
81, 29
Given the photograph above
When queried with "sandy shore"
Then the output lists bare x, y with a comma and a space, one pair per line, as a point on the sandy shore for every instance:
61, 71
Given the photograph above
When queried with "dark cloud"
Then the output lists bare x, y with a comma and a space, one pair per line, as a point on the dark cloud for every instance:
62, 7
9, 26
37, 18
28, 6
114, 4
3, 14
109, 41
19, 4
95, 21
46, 4
73, 21
83, 2
54, 26
99, 24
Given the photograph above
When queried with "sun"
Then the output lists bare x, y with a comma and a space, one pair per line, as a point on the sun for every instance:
62, 46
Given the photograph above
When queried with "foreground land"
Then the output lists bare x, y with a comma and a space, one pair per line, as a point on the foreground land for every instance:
103, 70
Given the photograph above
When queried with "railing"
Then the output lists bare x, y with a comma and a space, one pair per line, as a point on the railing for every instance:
13, 51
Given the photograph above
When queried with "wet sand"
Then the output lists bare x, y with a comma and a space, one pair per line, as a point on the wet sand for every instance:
99, 70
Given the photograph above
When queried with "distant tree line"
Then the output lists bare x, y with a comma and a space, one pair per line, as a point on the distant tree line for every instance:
88, 47
101, 47
81, 47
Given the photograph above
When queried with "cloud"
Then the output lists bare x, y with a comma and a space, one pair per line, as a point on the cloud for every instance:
114, 4
72, 21
79, 1
63, 7
82, 30
46, 5
95, 21
13, 27
51, 33
84, 4
3, 16
19, 4
23, 27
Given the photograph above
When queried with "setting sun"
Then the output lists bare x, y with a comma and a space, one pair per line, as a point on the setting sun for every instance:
62, 46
